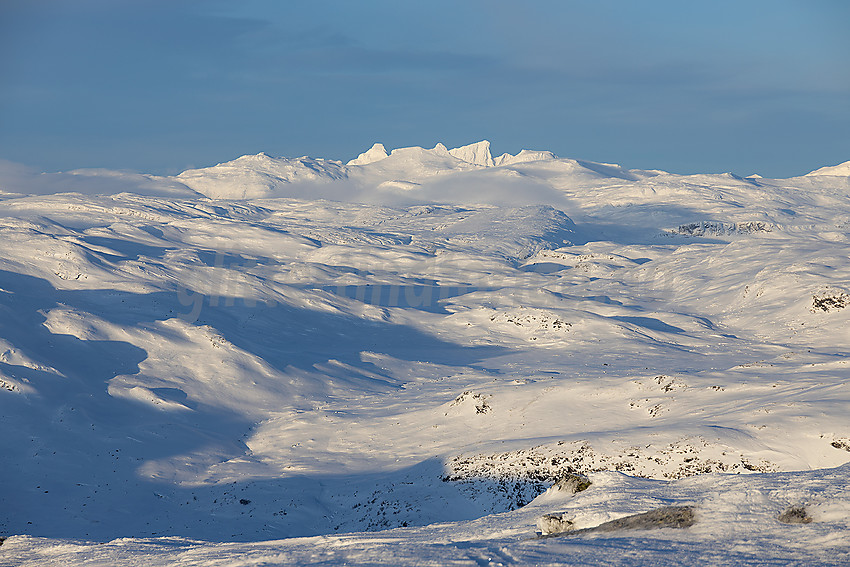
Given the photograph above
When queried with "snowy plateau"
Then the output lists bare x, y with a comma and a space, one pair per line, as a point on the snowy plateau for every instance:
424, 357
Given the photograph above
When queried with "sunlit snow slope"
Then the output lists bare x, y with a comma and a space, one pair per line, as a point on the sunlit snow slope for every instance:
274, 347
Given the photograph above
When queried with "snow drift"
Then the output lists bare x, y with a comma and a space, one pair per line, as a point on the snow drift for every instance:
421, 343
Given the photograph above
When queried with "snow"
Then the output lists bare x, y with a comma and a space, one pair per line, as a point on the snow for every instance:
376, 153
735, 524
842, 169
477, 153
17, 179
394, 361
524, 156
255, 176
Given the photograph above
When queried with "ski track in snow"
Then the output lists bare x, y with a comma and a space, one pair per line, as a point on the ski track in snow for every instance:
392, 361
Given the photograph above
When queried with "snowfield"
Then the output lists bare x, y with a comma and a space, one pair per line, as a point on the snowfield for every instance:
401, 360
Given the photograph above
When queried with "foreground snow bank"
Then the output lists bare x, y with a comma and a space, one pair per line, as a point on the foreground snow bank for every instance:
735, 520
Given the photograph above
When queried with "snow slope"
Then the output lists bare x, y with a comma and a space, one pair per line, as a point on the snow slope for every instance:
254, 176
736, 524
411, 175
264, 360
842, 170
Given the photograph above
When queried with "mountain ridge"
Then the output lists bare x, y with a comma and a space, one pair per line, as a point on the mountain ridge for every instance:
376, 174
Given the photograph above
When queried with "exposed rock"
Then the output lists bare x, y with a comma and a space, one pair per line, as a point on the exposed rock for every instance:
830, 301
664, 517
715, 228
572, 483
795, 515
553, 524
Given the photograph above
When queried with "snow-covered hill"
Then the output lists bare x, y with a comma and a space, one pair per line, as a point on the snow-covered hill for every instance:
403, 176
250, 177
840, 170
202, 369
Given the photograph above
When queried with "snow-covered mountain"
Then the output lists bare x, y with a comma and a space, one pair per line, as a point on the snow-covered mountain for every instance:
404, 175
840, 170
256, 176
260, 361
376, 153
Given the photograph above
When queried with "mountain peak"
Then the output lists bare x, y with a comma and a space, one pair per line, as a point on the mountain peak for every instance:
842, 170
474, 154
524, 156
477, 153
440, 149
376, 153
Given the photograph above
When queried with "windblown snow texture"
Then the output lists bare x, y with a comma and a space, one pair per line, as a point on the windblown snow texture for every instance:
398, 360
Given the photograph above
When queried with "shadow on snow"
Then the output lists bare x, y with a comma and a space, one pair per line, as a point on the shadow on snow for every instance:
73, 452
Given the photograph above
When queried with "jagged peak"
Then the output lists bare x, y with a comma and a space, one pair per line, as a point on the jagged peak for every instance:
440, 149
376, 153
477, 153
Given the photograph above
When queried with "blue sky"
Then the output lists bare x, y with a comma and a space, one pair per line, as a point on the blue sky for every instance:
159, 86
